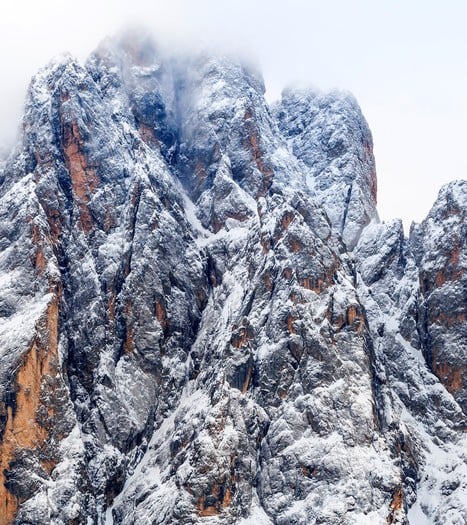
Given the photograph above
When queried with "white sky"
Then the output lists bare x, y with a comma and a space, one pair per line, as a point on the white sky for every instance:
405, 61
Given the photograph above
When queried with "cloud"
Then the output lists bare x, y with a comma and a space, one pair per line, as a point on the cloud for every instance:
402, 60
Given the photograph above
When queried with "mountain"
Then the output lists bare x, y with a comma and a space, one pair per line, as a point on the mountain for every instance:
202, 318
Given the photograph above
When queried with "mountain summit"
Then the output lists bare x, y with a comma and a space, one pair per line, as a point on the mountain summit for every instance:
202, 319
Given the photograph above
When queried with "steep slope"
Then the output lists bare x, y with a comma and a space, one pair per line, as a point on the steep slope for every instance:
429, 422
266, 244
185, 335
414, 294
103, 197
440, 251
400, 296
329, 134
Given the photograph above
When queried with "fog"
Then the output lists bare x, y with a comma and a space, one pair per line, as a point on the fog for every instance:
404, 61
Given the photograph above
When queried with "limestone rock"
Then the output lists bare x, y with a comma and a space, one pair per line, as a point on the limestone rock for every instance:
202, 319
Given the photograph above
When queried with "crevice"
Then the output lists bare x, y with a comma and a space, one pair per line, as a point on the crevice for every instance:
346, 208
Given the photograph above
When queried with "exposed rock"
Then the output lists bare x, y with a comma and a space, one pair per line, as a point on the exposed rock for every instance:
439, 245
328, 132
202, 319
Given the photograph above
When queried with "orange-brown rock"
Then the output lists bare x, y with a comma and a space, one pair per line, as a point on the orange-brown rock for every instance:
316, 286
241, 336
128, 344
219, 222
161, 314
84, 180
355, 318
251, 142
246, 383
23, 430
448, 320
206, 511
287, 219
451, 271
227, 499
310, 472
265, 244
396, 506
296, 245
220, 498
268, 280
40, 261
319, 284
290, 323
147, 135
200, 172
282, 392
452, 376
109, 221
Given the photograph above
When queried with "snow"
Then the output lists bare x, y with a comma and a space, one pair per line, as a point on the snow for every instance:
416, 516
445, 465
140, 71
257, 515
440, 493
235, 236
17, 331
190, 213
148, 471
291, 415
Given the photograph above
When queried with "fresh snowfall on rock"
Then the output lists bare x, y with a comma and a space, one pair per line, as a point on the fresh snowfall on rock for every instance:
202, 318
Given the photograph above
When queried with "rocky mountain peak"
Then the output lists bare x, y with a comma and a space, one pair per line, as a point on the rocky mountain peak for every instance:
439, 247
202, 319
329, 134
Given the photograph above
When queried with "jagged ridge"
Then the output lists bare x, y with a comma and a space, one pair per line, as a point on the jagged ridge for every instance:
203, 319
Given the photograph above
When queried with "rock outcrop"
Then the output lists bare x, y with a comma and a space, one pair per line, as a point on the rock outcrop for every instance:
202, 319
440, 252
329, 134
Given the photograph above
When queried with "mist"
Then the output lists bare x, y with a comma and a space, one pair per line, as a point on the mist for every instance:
403, 62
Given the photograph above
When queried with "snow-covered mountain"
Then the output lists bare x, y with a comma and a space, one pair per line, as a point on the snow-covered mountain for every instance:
202, 319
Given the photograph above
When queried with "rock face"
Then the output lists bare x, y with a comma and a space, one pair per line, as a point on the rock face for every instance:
202, 318
439, 248
328, 133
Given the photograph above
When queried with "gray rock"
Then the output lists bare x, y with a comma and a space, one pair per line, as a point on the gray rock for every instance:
202, 319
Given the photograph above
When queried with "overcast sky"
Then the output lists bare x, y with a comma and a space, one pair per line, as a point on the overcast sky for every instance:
405, 61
